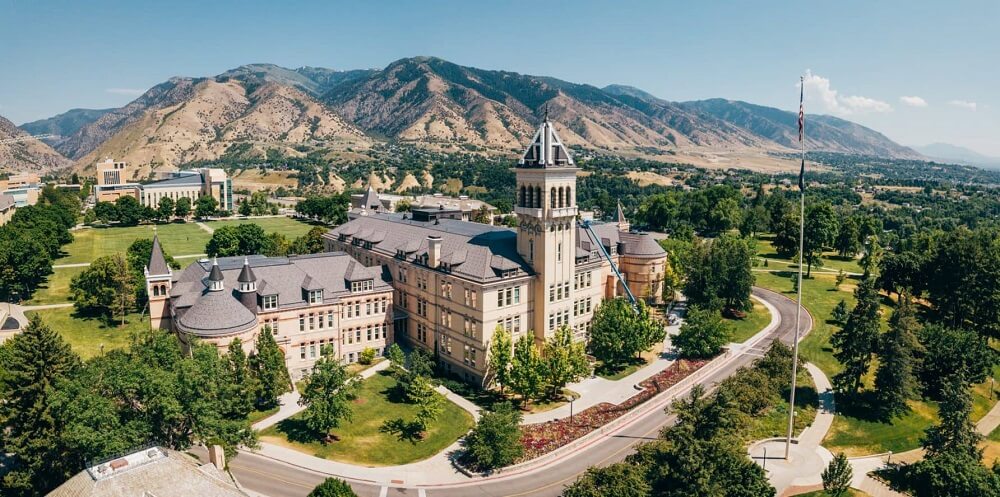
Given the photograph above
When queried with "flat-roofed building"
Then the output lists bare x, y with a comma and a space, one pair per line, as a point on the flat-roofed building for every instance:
112, 183
7, 207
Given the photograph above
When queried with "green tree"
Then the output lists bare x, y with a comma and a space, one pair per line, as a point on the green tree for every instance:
615, 480
397, 359
786, 234
182, 208
495, 441
564, 361
107, 286
947, 350
499, 361
620, 332
165, 209
24, 264
955, 432
895, 379
242, 239
855, 343
105, 212
702, 334
128, 211
206, 206
872, 258
840, 313
820, 232
837, 476
241, 380
327, 395
268, 363
366, 356
848, 240
719, 274
309, 243
429, 403
33, 363
526, 369
332, 487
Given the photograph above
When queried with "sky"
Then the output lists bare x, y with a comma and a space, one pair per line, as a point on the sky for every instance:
918, 71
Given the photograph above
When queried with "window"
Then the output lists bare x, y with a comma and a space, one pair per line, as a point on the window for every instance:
531, 250
302, 322
422, 307
269, 302
500, 298
368, 308
312, 351
468, 298
350, 310
312, 322
357, 309
302, 351
362, 286
369, 333
474, 299
315, 296
421, 332
517, 295
357, 335
329, 319
384, 303
321, 320
552, 293
559, 252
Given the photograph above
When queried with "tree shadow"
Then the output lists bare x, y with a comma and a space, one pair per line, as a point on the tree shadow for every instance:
405, 431
863, 406
297, 431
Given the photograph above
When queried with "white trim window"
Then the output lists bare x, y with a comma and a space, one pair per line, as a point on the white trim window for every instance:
269, 302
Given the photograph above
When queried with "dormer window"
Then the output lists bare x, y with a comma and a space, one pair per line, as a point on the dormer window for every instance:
362, 286
315, 296
268, 302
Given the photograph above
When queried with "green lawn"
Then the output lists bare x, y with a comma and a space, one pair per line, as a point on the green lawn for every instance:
287, 226
637, 364
831, 261
747, 327
361, 440
91, 243
86, 334
56, 289
256, 416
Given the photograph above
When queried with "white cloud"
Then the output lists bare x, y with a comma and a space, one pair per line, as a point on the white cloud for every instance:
818, 89
965, 104
913, 101
126, 91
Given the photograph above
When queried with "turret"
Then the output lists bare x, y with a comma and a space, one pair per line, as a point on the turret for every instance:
159, 278
247, 286
216, 283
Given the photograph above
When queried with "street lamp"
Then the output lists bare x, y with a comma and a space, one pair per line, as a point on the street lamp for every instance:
888, 459
764, 466
571, 399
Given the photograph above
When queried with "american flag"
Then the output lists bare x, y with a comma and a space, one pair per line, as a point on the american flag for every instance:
802, 126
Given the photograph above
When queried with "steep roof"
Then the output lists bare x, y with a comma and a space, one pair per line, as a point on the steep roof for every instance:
157, 262
371, 200
216, 314
546, 149
246, 274
620, 215
469, 249
642, 245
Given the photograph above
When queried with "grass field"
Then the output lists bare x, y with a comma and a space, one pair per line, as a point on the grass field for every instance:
774, 423
855, 433
747, 327
361, 440
87, 334
91, 243
831, 261
56, 289
287, 226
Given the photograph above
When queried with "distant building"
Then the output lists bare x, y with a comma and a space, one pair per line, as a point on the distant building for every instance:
7, 207
153, 472
307, 302
461, 207
455, 281
24, 188
112, 183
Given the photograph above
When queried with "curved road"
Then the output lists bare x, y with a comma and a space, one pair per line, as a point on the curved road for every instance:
275, 479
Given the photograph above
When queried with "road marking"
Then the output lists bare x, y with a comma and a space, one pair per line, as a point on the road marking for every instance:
271, 476
384, 492
421, 492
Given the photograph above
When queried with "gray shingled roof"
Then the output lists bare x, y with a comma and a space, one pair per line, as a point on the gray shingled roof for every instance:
642, 245
246, 274
157, 262
285, 277
216, 314
371, 199
479, 242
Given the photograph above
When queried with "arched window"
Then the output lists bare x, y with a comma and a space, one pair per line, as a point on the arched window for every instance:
156, 291
538, 197
569, 196
521, 201
552, 198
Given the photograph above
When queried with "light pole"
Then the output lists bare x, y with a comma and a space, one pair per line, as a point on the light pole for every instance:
571, 400
764, 466
888, 458
992, 380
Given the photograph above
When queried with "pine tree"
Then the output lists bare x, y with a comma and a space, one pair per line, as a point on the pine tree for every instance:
855, 343
895, 379
498, 363
526, 369
429, 403
33, 363
837, 476
840, 313
269, 366
955, 433
240, 379
327, 394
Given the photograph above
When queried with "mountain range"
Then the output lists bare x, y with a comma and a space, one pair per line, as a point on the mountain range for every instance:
952, 153
428, 101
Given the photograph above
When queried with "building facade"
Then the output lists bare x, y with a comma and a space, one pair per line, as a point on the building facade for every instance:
461, 207
455, 281
7, 207
113, 182
307, 303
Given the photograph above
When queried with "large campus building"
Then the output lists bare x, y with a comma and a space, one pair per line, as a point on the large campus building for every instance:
113, 182
441, 282
455, 281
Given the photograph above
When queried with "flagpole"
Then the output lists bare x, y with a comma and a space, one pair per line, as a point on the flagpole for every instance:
798, 311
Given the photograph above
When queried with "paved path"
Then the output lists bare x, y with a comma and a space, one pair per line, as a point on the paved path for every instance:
205, 227
265, 475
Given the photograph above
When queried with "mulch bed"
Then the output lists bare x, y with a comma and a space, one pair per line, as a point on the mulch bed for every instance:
541, 438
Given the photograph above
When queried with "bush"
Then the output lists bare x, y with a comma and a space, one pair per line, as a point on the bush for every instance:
366, 356
703, 333
495, 442
332, 487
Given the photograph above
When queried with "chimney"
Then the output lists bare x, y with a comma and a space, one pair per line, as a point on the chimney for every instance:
217, 456
433, 251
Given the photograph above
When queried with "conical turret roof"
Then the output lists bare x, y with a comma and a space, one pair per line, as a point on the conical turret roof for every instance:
157, 262
246, 275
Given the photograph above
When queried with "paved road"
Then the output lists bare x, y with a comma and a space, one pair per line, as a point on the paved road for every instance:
271, 478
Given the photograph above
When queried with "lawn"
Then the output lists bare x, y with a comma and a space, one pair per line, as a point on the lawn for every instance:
362, 441
291, 228
56, 289
91, 243
636, 364
831, 261
752, 323
256, 416
853, 431
87, 334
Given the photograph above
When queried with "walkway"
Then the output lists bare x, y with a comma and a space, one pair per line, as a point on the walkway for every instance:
205, 227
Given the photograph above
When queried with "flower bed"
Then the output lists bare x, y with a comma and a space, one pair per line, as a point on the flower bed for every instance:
541, 438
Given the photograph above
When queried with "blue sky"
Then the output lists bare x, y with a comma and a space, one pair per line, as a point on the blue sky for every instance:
916, 70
